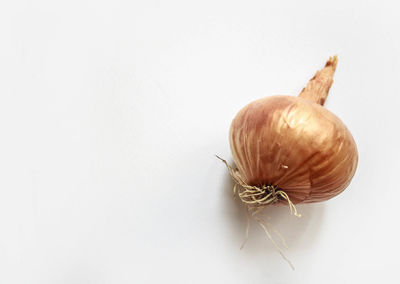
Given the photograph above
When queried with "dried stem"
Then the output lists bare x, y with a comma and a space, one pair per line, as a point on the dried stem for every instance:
318, 87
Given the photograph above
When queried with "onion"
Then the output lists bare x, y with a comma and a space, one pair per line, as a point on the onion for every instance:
290, 150
294, 145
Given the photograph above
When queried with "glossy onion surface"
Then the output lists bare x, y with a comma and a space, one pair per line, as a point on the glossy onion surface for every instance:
295, 144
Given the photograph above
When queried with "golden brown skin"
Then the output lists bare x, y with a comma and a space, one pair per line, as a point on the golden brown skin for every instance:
295, 144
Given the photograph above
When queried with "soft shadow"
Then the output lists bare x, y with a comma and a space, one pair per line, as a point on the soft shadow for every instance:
234, 210
299, 233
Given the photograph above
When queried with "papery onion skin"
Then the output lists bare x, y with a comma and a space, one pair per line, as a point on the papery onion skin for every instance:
294, 144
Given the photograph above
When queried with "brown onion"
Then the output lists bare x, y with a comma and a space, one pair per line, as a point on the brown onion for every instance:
294, 144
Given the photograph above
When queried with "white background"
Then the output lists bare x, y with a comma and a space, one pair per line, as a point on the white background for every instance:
111, 113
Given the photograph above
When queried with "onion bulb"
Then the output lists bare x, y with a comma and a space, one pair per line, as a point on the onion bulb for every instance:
292, 149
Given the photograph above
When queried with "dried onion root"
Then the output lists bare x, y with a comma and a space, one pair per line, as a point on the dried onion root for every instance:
255, 200
290, 150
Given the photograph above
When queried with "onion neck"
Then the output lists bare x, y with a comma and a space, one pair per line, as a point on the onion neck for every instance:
318, 87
